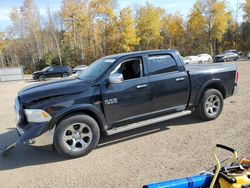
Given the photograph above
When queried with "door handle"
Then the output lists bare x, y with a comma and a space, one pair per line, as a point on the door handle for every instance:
180, 79
141, 86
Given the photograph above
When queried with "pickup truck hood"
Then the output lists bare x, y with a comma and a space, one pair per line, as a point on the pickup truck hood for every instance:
213, 67
51, 89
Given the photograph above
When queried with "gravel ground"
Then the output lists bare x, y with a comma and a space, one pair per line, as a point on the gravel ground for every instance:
173, 149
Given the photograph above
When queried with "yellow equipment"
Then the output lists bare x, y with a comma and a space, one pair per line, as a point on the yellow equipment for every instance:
236, 175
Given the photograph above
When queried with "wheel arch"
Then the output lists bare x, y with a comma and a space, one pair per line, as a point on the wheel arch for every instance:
212, 84
90, 110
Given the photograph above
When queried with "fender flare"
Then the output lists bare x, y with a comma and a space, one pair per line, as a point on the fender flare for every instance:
88, 109
212, 84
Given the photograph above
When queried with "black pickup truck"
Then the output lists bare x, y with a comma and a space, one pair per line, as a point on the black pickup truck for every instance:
118, 93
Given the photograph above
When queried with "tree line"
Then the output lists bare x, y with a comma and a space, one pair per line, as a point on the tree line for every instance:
85, 30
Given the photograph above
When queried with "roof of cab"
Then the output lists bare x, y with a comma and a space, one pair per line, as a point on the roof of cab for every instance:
117, 56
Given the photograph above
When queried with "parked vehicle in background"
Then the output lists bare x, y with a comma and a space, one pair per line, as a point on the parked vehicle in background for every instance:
192, 60
248, 55
51, 72
118, 93
226, 57
234, 51
205, 58
79, 68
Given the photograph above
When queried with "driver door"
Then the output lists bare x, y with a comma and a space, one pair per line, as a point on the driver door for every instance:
130, 98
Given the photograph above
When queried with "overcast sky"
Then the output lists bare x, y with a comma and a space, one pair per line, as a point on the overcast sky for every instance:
171, 6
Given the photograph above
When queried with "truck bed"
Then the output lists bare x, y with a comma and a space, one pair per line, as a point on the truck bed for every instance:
213, 67
201, 74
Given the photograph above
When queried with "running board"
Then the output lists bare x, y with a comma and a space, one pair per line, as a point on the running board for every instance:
147, 122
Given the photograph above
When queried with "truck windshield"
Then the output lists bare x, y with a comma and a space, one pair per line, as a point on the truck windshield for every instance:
95, 70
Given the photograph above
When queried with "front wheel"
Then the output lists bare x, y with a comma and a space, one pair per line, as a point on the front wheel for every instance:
210, 105
41, 77
76, 136
64, 75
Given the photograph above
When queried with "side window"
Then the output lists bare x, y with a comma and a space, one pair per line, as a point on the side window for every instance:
130, 69
58, 69
51, 69
159, 64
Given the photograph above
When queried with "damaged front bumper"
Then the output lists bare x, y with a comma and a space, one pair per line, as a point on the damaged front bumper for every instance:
33, 135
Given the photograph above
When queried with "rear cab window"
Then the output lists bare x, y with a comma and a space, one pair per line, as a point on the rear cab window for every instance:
160, 64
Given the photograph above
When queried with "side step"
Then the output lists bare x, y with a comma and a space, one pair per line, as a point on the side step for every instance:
147, 122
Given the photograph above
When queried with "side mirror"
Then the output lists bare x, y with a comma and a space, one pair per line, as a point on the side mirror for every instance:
116, 78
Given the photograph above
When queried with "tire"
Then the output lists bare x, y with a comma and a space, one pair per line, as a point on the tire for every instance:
210, 60
211, 104
64, 75
41, 77
200, 62
76, 136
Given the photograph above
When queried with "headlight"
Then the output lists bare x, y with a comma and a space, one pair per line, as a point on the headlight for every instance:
36, 115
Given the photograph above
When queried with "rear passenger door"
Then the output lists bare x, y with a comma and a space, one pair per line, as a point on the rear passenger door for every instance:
169, 86
58, 71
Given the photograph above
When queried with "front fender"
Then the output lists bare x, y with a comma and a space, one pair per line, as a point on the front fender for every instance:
82, 108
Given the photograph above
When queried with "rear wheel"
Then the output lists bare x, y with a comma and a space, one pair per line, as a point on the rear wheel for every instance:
210, 105
76, 136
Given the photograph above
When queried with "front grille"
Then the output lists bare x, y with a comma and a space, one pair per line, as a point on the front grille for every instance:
219, 59
20, 117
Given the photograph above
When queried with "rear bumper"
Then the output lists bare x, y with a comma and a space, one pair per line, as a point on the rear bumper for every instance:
236, 88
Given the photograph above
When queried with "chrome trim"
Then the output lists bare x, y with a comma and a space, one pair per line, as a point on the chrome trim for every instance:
147, 122
43, 140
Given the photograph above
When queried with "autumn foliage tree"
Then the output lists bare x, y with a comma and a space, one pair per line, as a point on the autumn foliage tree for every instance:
173, 28
85, 30
149, 24
128, 39
217, 19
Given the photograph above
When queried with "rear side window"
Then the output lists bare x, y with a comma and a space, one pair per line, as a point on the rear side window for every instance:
159, 64
56, 68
